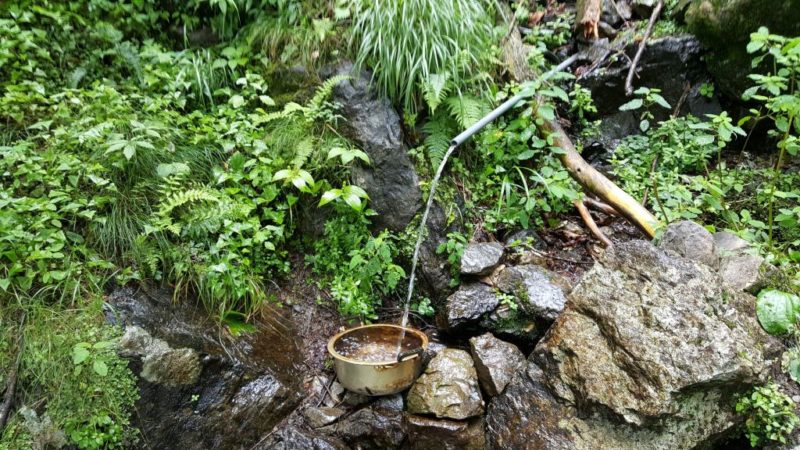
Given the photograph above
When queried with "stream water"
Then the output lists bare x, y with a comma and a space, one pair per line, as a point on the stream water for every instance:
420, 239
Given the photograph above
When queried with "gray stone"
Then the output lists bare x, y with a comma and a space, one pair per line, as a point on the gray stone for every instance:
467, 306
433, 268
519, 241
425, 433
496, 362
616, 13
319, 417
481, 258
741, 272
539, 292
649, 353
448, 388
370, 428
643, 8
229, 398
390, 402
355, 399
293, 438
726, 243
691, 241
390, 179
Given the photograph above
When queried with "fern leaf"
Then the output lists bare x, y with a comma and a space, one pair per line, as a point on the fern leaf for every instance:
434, 89
303, 150
467, 109
324, 91
439, 130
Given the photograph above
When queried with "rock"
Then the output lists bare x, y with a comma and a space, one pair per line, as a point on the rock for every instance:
390, 402
336, 392
668, 63
518, 241
539, 292
227, 399
615, 14
319, 417
691, 241
390, 179
425, 433
726, 243
293, 438
481, 258
740, 269
495, 361
433, 268
649, 353
448, 388
467, 306
514, 325
741, 272
643, 8
355, 399
725, 26
161, 364
370, 428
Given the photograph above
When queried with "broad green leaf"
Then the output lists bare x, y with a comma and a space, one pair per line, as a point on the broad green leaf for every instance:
79, 354
631, 105
100, 368
777, 311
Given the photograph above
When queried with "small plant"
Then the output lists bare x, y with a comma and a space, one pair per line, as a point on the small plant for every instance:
507, 300
645, 98
707, 90
423, 307
770, 415
454, 249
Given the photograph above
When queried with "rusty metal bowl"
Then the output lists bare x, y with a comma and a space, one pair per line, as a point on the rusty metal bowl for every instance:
383, 377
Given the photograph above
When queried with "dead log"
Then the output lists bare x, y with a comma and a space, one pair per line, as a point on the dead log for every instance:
596, 183
590, 223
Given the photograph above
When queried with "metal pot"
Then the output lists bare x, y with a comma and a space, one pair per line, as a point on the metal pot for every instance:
383, 377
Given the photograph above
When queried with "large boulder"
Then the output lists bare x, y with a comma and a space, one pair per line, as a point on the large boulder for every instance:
740, 267
496, 362
725, 26
669, 63
199, 387
448, 388
389, 179
649, 352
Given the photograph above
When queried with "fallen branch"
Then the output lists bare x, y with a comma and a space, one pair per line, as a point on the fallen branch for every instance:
647, 32
597, 184
600, 206
590, 223
11, 385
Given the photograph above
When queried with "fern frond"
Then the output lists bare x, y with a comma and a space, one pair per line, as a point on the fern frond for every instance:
303, 150
467, 109
434, 89
439, 130
325, 90
181, 198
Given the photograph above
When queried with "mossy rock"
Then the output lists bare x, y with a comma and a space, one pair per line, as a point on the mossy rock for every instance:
725, 26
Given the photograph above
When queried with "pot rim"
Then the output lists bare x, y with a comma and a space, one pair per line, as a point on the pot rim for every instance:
340, 357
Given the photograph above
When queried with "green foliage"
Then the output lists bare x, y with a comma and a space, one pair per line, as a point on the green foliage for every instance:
412, 45
777, 311
770, 415
359, 268
70, 365
645, 98
453, 248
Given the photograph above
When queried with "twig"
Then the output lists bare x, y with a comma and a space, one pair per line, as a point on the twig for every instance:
647, 31
601, 206
686, 88
11, 387
589, 221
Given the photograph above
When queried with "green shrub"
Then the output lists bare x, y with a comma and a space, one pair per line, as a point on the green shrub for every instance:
770, 415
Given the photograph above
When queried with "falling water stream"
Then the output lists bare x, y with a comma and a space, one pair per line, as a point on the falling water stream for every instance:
420, 239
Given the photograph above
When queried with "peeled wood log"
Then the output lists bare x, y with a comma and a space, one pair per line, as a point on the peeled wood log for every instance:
596, 183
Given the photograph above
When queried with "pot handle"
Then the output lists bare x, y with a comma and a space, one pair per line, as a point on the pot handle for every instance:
403, 356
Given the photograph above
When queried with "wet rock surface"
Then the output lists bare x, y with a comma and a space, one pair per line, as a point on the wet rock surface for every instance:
669, 64
467, 306
372, 427
480, 258
496, 362
691, 241
230, 394
319, 417
390, 179
425, 433
448, 388
433, 268
539, 292
294, 438
647, 354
